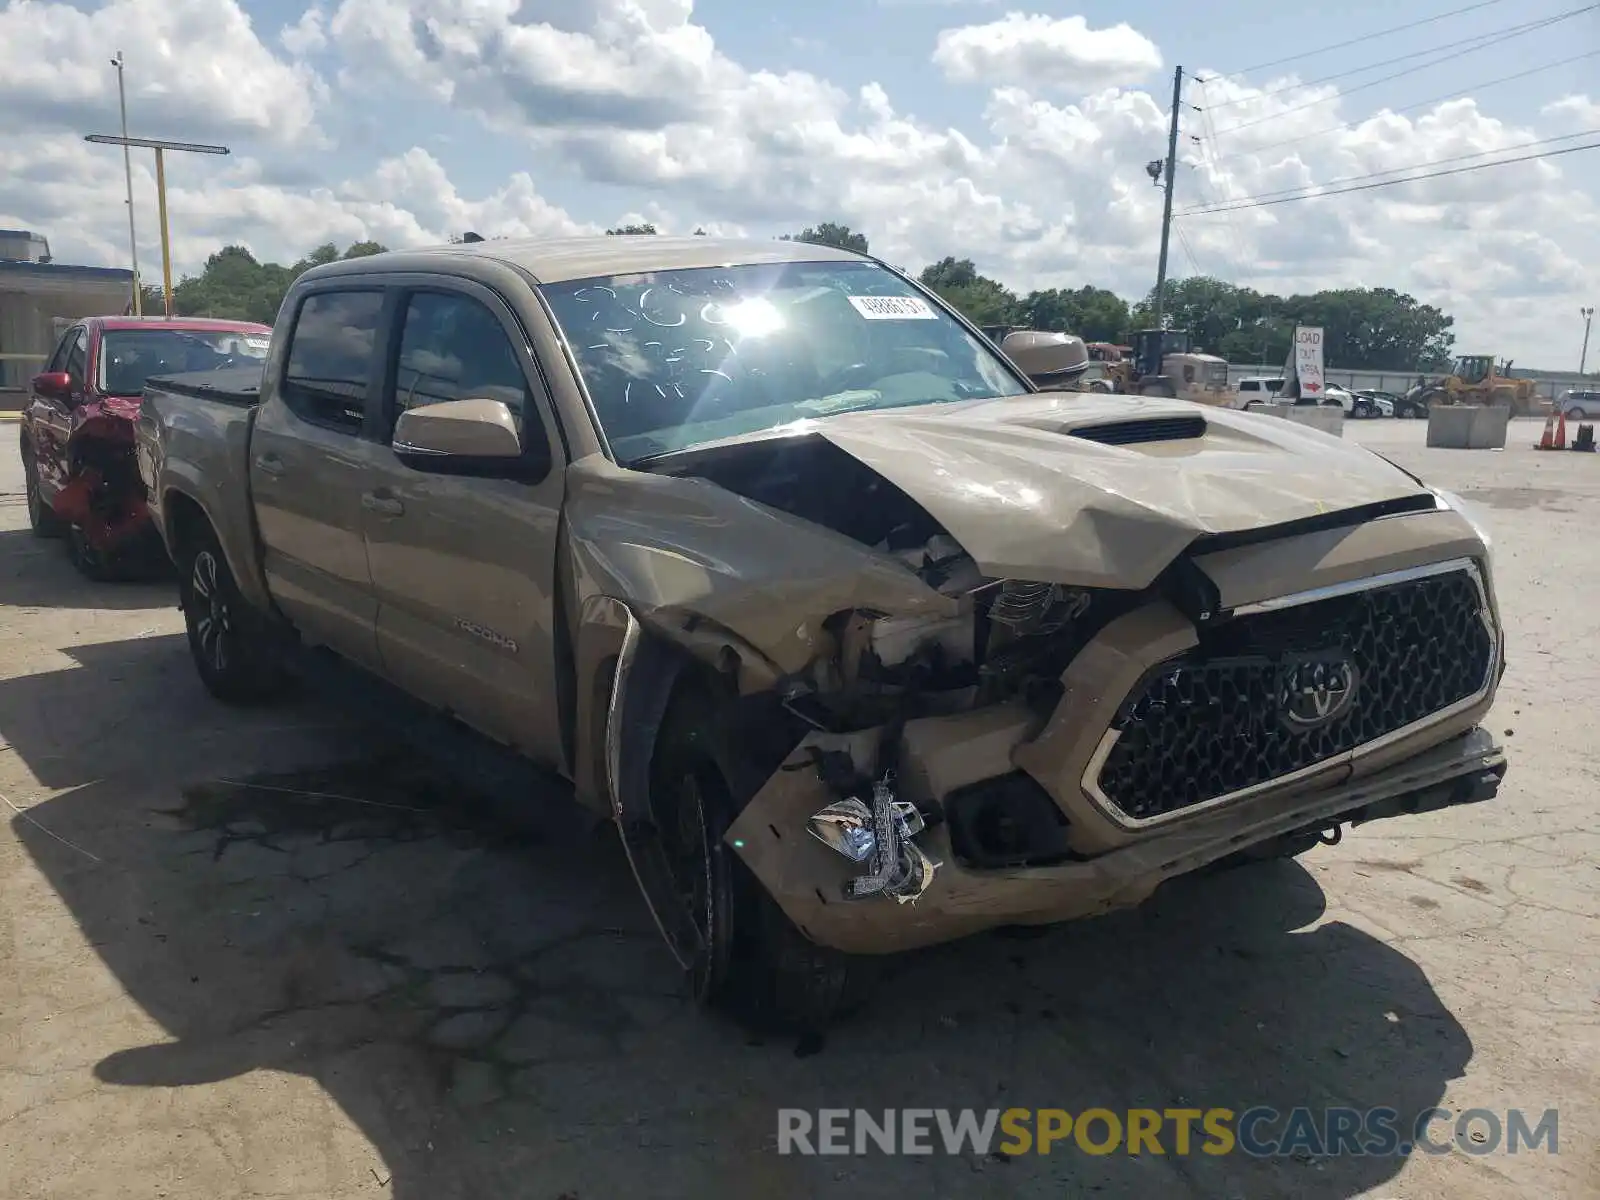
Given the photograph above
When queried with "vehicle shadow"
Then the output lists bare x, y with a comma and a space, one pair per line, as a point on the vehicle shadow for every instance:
38, 573
493, 1011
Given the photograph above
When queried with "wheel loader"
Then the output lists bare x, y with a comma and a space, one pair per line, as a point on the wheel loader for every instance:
1165, 363
1476, 379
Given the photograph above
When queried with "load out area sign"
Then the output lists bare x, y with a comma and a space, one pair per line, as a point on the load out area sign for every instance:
1305, 360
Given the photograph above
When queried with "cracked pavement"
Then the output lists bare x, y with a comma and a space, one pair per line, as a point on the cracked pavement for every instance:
266, 953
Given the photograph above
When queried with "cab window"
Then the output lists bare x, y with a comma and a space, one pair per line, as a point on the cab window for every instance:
452, 347
331, 356
77, 360
58, 359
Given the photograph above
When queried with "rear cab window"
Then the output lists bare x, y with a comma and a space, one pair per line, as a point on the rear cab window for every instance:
328, 373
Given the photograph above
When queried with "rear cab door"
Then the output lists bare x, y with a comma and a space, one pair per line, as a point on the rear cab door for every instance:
310, 458
463, 567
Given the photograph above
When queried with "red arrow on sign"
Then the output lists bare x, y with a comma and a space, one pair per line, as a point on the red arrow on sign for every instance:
1313, 387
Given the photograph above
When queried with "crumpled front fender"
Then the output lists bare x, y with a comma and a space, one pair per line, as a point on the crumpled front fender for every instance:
706, 568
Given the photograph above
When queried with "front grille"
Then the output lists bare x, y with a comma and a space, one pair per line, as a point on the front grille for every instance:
1242, 709
1155, 429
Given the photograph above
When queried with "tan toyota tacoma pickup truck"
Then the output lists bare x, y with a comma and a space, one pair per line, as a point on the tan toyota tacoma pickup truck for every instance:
862, 641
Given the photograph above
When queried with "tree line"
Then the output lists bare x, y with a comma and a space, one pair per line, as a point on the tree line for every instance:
1363, 328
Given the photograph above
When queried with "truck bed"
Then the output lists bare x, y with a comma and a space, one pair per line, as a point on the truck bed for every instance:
239, 387
193, 439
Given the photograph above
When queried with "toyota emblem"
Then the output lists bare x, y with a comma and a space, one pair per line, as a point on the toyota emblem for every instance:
1314, 691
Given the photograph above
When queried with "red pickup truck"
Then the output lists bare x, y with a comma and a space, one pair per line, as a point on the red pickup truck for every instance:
77, 427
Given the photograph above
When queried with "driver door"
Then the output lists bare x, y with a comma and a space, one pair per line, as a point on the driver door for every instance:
463, 567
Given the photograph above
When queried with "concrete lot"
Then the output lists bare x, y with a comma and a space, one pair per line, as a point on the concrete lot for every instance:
346, 982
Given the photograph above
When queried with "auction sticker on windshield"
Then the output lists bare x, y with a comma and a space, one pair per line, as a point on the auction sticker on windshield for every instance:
893, 308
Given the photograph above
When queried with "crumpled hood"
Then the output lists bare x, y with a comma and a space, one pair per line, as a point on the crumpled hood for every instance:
1015, 482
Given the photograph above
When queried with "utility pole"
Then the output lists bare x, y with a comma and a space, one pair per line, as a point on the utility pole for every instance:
1588, 316
127, 170
1166, 203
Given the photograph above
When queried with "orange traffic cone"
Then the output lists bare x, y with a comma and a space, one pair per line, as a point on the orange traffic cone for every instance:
1547, 438
1561, 432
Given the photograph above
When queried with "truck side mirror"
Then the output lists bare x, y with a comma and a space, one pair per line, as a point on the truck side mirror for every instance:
53, 385
1047, 358
467, 437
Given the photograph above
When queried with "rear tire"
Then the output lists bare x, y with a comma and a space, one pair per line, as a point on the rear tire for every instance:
755, 965
1577, 414
231, 643
42, 519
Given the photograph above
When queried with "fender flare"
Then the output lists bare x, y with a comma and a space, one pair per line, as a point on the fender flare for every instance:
642, 688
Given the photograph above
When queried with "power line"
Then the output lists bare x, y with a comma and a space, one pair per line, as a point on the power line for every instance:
1472, 88
1473, 44
1436, 162
1188, 250
1208, 150
1367, 187
1366, 37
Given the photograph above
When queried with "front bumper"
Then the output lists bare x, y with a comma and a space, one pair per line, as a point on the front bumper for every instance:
806, 878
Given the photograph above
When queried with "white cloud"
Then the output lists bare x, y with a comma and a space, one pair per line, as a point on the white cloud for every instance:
195, 71
1044, 187
1575, 110
405, 201
1033, 50
306, 36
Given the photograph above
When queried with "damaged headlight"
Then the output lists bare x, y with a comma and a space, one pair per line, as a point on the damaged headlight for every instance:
845, 826
879, 834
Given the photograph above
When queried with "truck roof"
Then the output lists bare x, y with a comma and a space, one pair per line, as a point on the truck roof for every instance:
557, 260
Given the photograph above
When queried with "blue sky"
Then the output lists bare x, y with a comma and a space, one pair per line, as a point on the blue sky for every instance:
936, 128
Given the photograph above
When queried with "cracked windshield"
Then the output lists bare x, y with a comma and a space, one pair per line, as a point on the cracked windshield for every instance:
676, 359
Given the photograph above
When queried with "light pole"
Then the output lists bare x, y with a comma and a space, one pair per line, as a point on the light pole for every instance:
159, 146
1588, 316
127, 170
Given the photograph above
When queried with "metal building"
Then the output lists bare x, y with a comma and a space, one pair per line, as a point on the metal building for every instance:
39, 298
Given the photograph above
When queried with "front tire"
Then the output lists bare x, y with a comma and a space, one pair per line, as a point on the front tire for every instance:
229, 641
98, 566
1577, 414
42, 519
753, 963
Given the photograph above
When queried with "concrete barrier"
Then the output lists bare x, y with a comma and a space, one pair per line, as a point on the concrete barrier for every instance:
1468, 426
1327, 417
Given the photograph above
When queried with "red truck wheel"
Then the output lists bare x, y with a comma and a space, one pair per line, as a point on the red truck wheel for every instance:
42, 519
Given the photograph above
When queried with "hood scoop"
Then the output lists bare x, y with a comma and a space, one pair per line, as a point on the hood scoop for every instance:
1148, 429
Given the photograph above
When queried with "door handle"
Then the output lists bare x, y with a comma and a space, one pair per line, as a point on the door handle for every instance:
269, 464
386, 505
